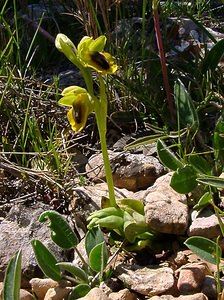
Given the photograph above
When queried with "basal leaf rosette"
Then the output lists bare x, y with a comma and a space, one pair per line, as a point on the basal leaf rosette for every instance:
91, 54
81, 106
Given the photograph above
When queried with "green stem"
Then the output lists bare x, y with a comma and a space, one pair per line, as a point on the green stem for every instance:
107, 166
101, 118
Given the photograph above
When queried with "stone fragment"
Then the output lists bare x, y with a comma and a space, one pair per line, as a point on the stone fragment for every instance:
87, 199
57, 293
25, 295
131, 171
149, 281
198, 296
180, 259
124, 294
41, 286
95, 294
205, 224
16, 232
111, 285
209, 287
166, 211
191, 277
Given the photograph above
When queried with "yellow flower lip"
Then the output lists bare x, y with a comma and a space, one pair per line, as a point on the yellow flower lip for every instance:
81, 106
91, 54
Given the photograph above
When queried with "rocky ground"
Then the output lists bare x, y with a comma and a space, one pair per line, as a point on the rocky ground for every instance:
170, 272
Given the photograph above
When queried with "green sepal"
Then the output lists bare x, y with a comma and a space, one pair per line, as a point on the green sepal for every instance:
130, 205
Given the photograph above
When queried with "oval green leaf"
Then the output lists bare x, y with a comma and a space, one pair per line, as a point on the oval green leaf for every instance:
46, 260
93, 237
185, 107
203, 201
79, 291
204, 248
98, 257
11, 290
62, 234
184, 180
167, 157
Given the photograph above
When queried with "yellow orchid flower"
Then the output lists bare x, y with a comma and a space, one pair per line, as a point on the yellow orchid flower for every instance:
90, 53
81, 106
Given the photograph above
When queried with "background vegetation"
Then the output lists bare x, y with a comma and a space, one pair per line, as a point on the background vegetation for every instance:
38, 149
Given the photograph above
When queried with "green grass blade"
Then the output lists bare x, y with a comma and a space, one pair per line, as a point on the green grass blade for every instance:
212, 181
213, 57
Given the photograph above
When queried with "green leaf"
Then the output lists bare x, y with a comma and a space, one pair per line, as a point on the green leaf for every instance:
79, 291
134, 225
110, 222
12, 279
200, 164
212, 181
93, 237
145, 141
75, 271
46, 261
167, 157
204, 248
218, 137
62, 234
213, 57
203, 201
98, 257
131, 204
183, 180
185, 107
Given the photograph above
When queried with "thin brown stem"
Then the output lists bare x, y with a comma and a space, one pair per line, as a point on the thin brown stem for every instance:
163, 61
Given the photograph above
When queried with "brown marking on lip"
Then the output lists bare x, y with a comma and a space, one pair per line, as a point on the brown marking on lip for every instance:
77, 113
100, 59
